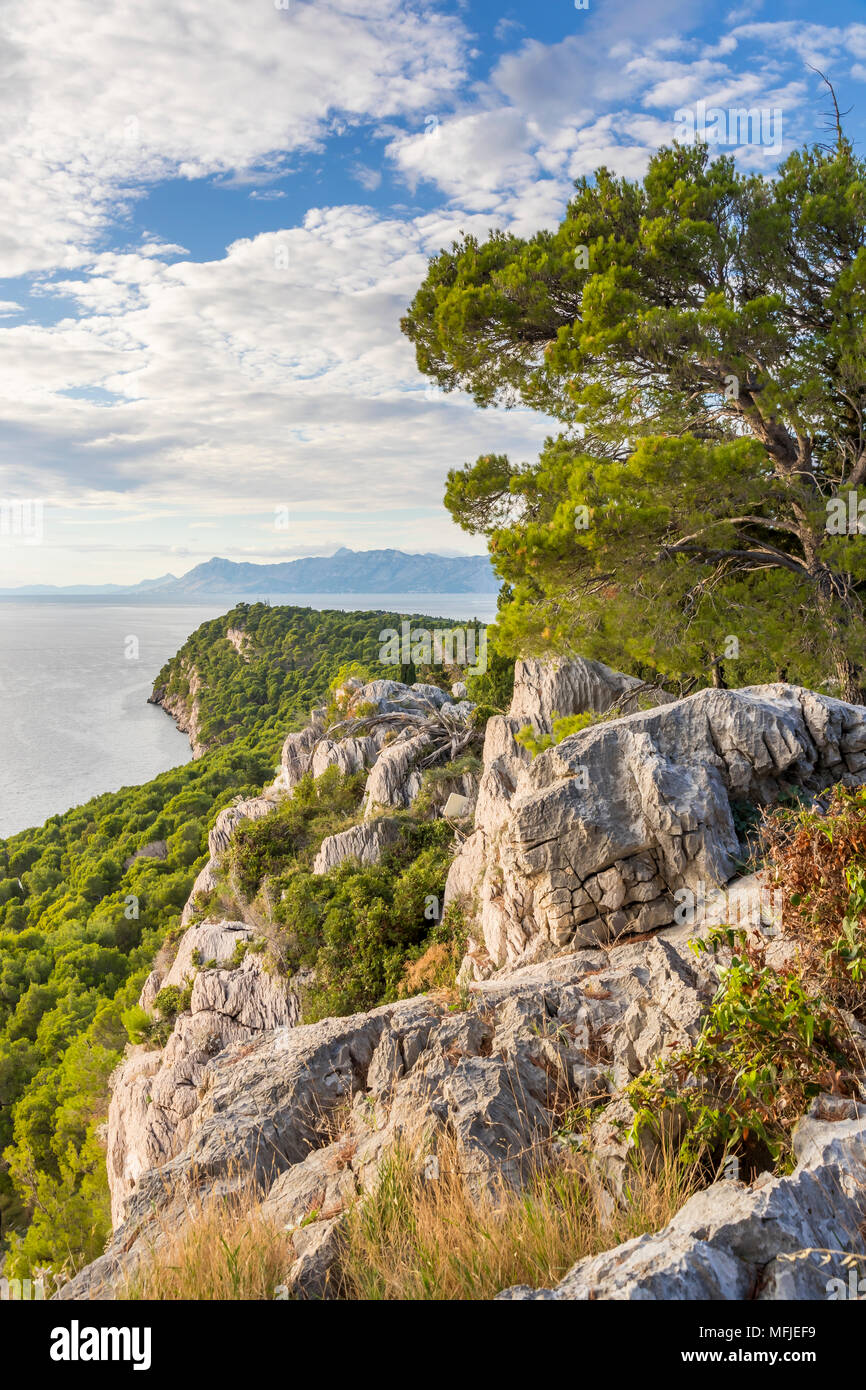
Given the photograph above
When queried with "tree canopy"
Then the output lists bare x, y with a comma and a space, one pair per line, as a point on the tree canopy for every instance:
699, 337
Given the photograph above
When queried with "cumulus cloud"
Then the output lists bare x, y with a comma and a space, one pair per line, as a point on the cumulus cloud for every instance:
275, 373
99, 102
608, 94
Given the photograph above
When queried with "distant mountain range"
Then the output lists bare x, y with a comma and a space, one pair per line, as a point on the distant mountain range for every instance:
346, 572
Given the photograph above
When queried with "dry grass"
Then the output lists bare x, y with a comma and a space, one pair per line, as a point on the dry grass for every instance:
226, 1250
413, 1237
418, 1237
432, 970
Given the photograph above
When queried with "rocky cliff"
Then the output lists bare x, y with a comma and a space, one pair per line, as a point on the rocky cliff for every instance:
183, 708
578, 975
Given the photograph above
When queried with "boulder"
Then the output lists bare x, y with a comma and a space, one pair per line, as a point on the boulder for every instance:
296, 757
395, 778
155, 849
348, 755
364, 843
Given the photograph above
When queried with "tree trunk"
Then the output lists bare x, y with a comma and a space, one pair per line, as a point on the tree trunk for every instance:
848, 676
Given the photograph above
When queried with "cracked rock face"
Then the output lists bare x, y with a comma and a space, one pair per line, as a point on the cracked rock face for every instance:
546, 690
218, 841
591, 840
395, 779
364, 843
155, 1093
572, 854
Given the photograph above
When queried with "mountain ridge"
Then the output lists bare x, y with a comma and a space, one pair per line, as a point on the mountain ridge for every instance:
346, 571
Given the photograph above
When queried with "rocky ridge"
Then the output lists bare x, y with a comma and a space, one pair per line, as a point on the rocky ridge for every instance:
568, 852
184, 709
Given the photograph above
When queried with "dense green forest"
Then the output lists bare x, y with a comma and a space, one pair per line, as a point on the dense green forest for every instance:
81, 920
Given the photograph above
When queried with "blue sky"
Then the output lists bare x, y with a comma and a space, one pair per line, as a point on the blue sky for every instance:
215, 212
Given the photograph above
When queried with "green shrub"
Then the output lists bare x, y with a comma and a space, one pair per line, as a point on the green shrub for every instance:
563, 727
173, 1000
360, 926
765, 1048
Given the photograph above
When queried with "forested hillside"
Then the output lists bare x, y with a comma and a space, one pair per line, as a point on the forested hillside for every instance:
81, 919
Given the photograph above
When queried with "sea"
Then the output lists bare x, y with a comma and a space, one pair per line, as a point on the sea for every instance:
75, 674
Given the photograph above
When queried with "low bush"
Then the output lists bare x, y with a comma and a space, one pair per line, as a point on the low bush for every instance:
817, 856
766, 1047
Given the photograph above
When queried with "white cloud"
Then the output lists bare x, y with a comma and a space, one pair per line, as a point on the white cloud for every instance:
250, 381
203, 394
98, 101
368, 178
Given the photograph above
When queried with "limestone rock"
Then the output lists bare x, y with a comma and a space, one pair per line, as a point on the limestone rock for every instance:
544, 690
395, 778
155, 1093
240, 1095
219, 839
604, 834
348, 755
156, 849
366, 843
296, 757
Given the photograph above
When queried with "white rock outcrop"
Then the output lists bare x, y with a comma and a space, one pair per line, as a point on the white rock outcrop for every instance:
590, 840
364, 843
155, 1093
240, 1092
573, 853
218, 841
545, 690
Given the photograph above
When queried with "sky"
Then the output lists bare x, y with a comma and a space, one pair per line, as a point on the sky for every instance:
213, 214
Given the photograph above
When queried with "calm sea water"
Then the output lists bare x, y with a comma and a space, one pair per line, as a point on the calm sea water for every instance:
74, 717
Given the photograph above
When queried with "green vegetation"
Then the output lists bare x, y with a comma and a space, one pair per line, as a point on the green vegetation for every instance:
292, 658
773, 1038
817, 856
767, 1046
80, 925
698, 334
361, 927
563, 727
